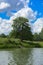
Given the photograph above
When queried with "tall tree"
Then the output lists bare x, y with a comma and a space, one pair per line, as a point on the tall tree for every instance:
22, 28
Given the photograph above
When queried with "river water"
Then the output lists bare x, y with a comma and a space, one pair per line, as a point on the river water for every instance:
24, 56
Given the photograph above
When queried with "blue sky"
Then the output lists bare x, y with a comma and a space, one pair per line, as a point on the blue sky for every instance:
35, 5
31, 9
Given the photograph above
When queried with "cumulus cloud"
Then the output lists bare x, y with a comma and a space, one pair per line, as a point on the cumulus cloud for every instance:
26, 12
15, 5
4, 5
12, 5
25, 2
38, 25
5, 26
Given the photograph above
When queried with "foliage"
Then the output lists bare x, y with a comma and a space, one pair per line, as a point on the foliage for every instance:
16, 43
38, 37
41, 35
12, 34
22, 28
3, 35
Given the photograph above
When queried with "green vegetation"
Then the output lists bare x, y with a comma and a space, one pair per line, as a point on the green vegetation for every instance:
21, 36
38, 37
16, 43
22, 29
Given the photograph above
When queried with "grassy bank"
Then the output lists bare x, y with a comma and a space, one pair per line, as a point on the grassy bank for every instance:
16, 43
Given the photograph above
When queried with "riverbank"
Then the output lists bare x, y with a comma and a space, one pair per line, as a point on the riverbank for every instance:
16, 43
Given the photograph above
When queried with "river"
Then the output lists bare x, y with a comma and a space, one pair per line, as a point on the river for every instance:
24, 56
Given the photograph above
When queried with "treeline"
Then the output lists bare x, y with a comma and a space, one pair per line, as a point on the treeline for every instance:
38, 37
3, 35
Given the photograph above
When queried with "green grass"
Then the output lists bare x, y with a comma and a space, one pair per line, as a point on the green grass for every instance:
16, 43
41, 44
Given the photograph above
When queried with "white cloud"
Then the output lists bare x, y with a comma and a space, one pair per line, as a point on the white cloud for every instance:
18, 3
5, 26
25, 12
4, 5
25, 2
38, 25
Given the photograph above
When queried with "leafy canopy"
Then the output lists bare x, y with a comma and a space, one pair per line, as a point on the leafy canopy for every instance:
22, 28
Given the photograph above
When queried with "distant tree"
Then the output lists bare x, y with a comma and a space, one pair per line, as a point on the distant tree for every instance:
3, 35
36, 37
22, 28
41, 35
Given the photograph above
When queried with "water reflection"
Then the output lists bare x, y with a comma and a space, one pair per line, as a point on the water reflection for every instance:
37, 56
6, 58
30, 56
21, 56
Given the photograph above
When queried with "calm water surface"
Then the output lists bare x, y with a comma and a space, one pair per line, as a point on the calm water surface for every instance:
30, 56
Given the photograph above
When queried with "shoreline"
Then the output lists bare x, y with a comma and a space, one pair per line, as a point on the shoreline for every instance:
16, 43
